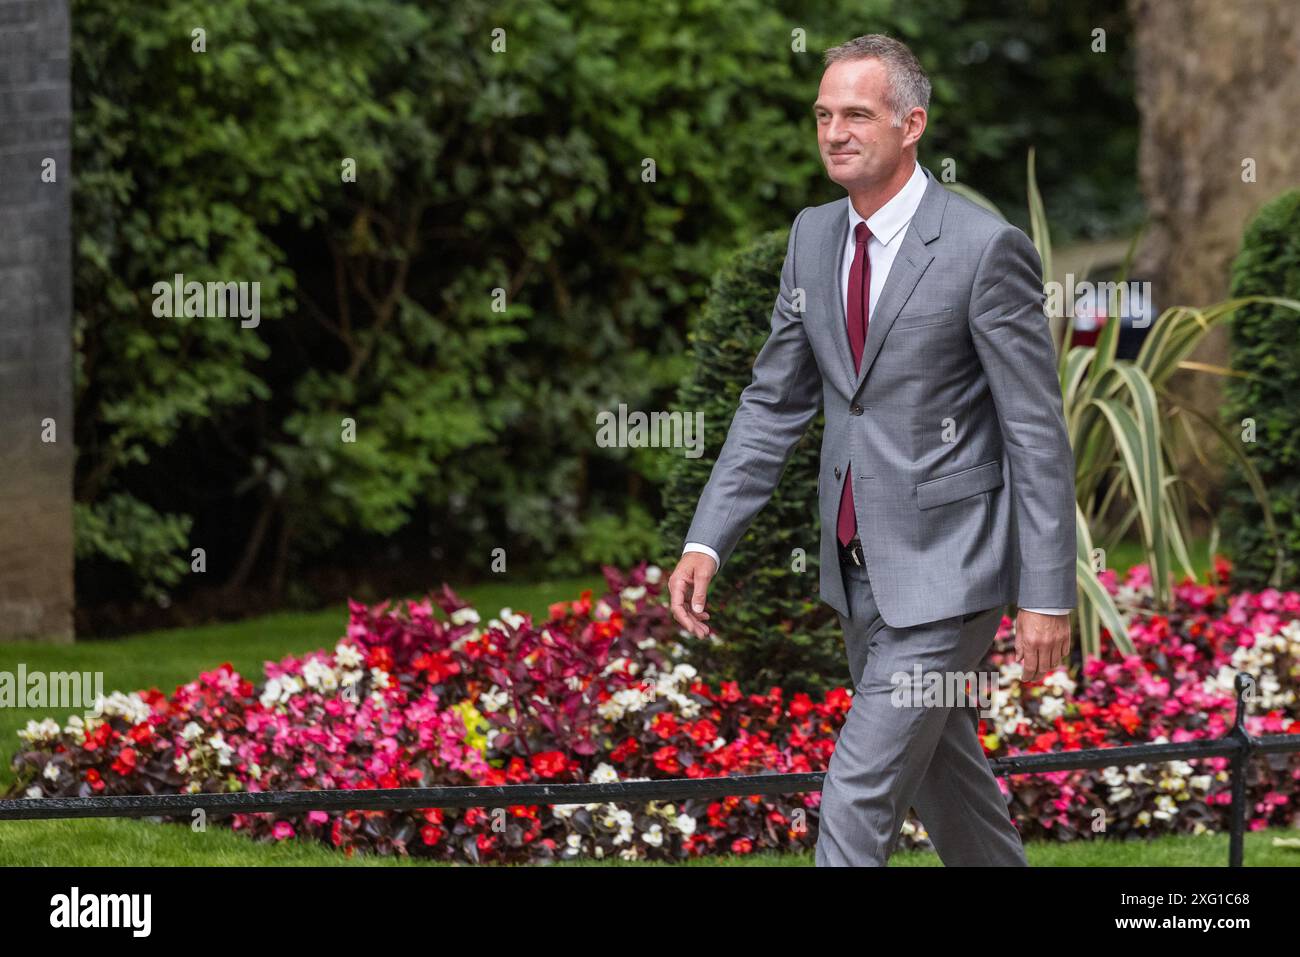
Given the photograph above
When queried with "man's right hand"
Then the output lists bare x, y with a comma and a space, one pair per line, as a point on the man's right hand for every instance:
688, 586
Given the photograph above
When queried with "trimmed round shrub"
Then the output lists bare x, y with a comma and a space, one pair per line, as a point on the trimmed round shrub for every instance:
1266, 345
772, 627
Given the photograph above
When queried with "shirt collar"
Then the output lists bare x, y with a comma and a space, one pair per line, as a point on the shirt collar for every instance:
886, 222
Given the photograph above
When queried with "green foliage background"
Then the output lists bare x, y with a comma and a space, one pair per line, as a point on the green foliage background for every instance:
1265, 347
476, 171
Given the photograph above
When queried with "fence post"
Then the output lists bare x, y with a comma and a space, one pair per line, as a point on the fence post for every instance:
1240, 764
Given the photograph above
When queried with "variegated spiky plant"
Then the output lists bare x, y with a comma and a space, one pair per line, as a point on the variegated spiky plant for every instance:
1128, 432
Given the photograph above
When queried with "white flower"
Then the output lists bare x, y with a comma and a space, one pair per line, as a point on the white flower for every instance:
279, 690
1050, 707
319, 675
633, 594
508, 616
654, 837
46, 730
470, 636
35, 792
603, 611
614, 666
604, 774
1166, 808
463, 616
654, 574
685, 823
494, 699
347, 655
51, 771
191, 731
130, 706
1059, 681
379, 678
76, 726
622, 702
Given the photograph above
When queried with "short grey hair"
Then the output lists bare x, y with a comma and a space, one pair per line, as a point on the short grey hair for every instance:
909, 87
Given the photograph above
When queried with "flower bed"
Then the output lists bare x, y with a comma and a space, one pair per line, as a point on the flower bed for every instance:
427, 694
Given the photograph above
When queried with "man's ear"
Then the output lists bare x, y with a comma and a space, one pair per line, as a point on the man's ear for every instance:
914, 126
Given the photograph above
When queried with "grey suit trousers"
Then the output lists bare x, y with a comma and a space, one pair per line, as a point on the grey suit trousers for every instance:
890, 757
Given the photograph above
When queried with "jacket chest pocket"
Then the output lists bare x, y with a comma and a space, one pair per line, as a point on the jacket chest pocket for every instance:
926, 319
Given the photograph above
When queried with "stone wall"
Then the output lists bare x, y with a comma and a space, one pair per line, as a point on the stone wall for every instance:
36, 546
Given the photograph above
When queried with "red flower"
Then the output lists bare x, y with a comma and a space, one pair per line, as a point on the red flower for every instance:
141, 733
94, 780
431, 835
610, 629
100, 737
629, 747
380, 657
125, 763
549, 764
839, 699
665, 760
438, 666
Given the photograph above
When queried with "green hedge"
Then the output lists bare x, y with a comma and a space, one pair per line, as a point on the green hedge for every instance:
1266, 345
773, 628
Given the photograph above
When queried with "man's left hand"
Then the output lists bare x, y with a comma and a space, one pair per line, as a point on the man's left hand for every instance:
1042, 642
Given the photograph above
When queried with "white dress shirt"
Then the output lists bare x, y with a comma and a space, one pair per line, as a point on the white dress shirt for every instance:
888, 225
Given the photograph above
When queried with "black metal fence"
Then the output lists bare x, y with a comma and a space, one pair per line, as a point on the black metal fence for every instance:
1236, 744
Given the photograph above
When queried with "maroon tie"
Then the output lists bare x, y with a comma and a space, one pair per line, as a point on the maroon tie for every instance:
858, 307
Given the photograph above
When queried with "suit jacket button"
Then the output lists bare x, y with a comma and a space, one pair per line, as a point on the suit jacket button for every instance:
856, 410
837, 471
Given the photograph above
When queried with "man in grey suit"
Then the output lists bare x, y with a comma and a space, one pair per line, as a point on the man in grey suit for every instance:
915, 319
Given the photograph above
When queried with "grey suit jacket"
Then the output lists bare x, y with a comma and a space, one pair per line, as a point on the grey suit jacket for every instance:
962, 468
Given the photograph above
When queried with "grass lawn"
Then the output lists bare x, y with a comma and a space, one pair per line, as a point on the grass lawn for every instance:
121, 843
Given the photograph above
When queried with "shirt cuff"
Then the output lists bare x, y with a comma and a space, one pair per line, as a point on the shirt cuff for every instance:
1048, 611
697, 547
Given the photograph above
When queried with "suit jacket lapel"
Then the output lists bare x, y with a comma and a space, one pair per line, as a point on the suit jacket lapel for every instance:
832, 264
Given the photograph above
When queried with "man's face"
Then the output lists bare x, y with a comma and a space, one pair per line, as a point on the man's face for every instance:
855, 133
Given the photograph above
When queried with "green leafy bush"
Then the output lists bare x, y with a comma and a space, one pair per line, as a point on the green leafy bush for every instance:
771, 626
1266, 346
476, 170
